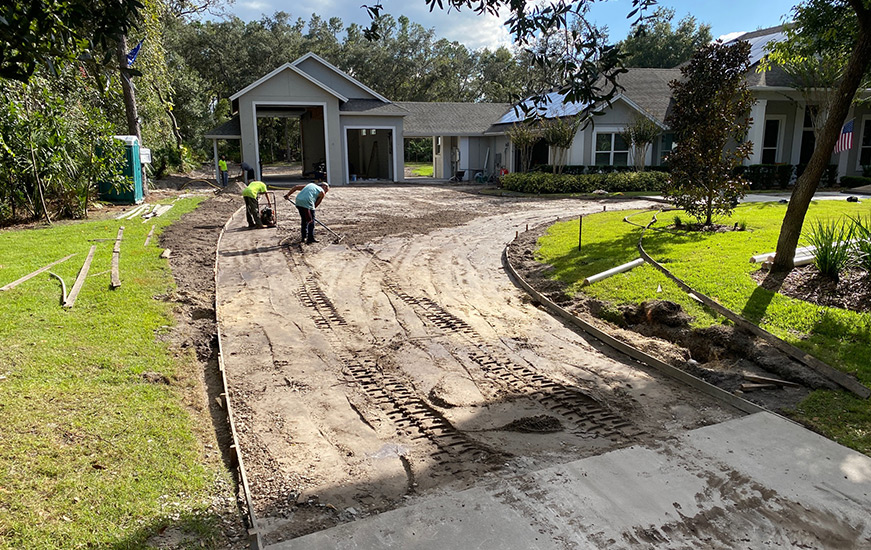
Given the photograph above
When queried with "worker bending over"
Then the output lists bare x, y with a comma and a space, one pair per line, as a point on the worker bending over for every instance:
252, 207
309, 197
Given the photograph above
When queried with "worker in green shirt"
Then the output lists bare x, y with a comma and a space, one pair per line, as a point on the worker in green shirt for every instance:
252, 209
222, 168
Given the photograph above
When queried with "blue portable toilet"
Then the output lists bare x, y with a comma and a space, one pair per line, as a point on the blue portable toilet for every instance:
132, 168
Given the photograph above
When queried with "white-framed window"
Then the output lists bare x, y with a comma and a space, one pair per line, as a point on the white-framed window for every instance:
865, 143
772, 138
438, 145
611, 149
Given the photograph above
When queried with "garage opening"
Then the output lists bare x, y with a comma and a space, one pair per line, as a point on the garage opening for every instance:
291, 143
370, 154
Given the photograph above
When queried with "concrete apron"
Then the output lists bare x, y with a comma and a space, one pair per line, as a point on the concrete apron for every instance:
757, 481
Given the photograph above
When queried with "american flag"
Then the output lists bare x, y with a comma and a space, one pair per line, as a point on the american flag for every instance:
845, 142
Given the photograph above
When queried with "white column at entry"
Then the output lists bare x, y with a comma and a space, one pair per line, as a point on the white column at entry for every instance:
757, 130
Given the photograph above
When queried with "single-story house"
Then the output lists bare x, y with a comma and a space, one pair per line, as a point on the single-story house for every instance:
354, 133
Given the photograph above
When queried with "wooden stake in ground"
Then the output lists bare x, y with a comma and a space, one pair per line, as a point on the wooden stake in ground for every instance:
13, 284
148, 238
116, 259
80, 280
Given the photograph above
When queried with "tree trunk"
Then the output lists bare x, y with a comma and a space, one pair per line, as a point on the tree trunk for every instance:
127, 88
808, 182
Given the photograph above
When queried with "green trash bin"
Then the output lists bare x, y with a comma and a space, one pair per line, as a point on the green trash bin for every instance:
132, 168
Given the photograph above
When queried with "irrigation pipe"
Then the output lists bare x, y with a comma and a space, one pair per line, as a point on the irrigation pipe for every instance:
636, 354
840, 378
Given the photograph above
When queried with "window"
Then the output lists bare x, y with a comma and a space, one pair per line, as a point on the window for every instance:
438, 145
808, 139
770, 141
865, 145
611, 150
666, 146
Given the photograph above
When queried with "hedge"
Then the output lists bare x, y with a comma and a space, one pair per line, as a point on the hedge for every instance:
547, 183
854, 181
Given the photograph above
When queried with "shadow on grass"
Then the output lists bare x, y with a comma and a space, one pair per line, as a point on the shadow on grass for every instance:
756, 306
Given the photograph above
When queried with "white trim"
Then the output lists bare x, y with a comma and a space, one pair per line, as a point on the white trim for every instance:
781, 127
395, 136
857, 142
322, 104
613, 130
631, 104
797, 133
312, 55
284, 67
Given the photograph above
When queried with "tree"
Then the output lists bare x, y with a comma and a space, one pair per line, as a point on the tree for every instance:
656, 44
639, 134
60, 31
835, 28
711, 110
559, 133
523, 136
586, 71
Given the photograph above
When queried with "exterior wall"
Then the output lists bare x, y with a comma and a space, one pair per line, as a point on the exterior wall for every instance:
391, 152
290, 89
333, 81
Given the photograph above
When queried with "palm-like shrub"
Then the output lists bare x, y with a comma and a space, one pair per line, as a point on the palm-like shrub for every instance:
862, 234
832, 241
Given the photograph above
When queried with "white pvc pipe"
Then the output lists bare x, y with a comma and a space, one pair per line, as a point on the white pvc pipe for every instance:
613, 271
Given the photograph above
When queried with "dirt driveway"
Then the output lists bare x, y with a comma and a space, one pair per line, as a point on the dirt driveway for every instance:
402, 362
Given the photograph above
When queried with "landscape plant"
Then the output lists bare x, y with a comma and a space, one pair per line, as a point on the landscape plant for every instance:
523, 136
711, 108
832, 242
639, 134
862, 234
559, 133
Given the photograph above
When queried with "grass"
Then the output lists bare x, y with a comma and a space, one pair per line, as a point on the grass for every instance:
717, 264
420, 169
92, 455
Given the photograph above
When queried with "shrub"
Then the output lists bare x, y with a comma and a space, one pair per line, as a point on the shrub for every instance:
829, 177
767, 176
854, 181
832, 243
862, 233
614, 182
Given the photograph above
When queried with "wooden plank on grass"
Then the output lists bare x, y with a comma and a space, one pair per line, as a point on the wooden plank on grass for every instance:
767, 380
80, 280
148, 238
13, 284
116, 260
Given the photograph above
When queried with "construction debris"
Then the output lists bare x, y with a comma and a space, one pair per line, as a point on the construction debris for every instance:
13, 284
768, 380
80, 280
116, 259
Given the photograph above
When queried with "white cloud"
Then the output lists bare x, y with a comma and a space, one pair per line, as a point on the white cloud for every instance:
476, 31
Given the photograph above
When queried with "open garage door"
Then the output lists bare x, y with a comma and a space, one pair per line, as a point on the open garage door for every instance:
370, 154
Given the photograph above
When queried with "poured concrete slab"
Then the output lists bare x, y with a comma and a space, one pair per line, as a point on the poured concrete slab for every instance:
755, 482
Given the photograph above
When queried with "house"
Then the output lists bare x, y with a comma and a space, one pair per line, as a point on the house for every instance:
354, 133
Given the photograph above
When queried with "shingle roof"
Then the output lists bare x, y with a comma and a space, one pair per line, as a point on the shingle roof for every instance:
450, 119
372, 107
649, 89
227, 130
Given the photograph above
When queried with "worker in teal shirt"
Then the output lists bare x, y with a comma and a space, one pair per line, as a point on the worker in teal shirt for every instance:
222, 168
309, 197
252, 208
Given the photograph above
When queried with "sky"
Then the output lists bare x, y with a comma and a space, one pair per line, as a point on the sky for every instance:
725, 17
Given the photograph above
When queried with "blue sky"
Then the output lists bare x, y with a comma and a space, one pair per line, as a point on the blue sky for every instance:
725, 17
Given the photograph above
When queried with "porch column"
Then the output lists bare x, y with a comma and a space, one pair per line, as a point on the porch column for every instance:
215, 158
797, 133
757, 131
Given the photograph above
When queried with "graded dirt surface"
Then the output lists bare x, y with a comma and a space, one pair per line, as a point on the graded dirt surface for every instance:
401, 362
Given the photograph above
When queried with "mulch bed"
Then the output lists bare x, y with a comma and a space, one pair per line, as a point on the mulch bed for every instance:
851, 291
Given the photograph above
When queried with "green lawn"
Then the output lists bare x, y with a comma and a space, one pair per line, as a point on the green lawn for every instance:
420, 169
717, 264
91, 454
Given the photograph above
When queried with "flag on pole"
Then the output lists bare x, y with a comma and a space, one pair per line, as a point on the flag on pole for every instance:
845, 142
131, 57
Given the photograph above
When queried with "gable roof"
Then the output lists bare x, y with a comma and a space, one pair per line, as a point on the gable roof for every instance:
279, 70
450, 119
346, 76
371, 107
231, 129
